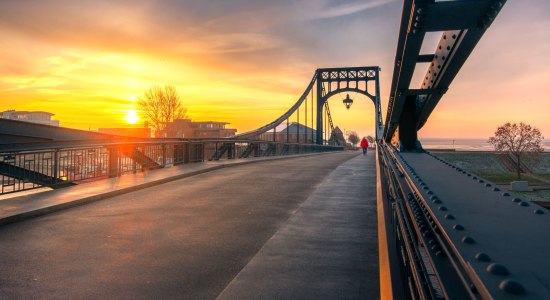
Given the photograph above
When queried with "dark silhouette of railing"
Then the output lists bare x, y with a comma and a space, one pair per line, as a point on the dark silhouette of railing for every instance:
57, 164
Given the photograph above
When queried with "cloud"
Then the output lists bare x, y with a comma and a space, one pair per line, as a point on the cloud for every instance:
348, 9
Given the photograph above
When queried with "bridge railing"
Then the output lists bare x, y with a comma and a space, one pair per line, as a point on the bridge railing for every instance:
57, 164
426, 262
450, 234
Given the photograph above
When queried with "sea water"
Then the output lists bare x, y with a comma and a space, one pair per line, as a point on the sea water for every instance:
466, 144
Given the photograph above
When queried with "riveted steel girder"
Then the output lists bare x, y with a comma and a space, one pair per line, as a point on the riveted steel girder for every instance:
463, 23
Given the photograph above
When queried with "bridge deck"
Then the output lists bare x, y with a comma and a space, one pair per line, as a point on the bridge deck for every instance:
327, 250
24, 207
514, 234
189, 238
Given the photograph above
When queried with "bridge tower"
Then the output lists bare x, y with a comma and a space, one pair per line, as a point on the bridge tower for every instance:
332, 81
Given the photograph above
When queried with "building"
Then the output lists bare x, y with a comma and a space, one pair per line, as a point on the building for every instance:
294, 133
39, 117
185, 128
128, 132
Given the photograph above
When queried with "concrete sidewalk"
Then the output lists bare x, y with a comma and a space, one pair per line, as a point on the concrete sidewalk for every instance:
327, 250
33, 205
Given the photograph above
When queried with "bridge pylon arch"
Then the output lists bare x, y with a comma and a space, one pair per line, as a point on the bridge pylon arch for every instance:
331, 81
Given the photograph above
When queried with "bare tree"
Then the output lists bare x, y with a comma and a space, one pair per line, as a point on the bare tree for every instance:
517, 140
353, 137
161, 105
370, 139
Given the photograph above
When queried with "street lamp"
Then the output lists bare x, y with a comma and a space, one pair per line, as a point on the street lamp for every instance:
348, 101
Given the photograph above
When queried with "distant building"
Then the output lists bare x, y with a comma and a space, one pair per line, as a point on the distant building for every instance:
185, 128
128, 132
295, 132
39, 117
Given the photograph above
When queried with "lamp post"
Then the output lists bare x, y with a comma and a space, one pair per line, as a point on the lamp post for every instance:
348, 101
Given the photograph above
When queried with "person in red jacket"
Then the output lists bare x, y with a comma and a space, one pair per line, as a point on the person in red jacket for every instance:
364, 145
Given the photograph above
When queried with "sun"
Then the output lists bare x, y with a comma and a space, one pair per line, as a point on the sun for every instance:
131, 117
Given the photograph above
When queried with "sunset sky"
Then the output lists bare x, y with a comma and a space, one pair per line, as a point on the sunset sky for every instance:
246, 62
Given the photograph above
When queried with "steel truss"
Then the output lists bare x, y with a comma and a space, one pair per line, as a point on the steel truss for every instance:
463, 23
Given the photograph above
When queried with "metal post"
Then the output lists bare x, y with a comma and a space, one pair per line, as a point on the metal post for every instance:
202, 150
113, 162
312, 135
55, 165
326, 127
186, 152
287, 129
298, 125
378, 112
134, 156
305, 121
320, 102
163, 155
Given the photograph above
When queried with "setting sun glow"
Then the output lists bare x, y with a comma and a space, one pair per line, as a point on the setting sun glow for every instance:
89, 63
131, 117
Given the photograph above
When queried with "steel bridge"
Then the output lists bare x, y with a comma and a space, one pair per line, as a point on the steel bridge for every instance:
446, 233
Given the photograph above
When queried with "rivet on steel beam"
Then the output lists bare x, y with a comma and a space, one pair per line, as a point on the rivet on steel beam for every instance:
497, 269
436, 201
468, 240
482, 257
496, 189
458, 227
426, 188
512, 287
487, 184
523, 203
449, 217
430, 193
538, 211
442, 208
505, 194
481, 181
517, 200
474, 178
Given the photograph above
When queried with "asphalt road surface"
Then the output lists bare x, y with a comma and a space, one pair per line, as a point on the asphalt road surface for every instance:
185, 239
